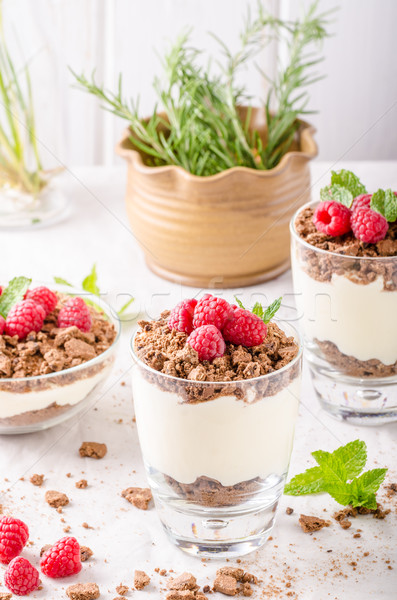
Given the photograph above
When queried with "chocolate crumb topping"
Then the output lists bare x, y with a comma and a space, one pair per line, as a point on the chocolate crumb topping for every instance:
166, 351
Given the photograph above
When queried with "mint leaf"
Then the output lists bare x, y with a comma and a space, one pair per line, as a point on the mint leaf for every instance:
125, 306
378, 202
365, 486
239, 303
62, 281
309, 482
390, 204
349, 181
337, 193
271, 310
13, 293
354, 457
333, 468
90, 282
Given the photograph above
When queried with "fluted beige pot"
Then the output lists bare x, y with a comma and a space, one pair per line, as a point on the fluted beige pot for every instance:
225, 230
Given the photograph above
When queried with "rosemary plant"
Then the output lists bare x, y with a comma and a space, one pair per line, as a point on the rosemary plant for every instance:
20, 164
200, 128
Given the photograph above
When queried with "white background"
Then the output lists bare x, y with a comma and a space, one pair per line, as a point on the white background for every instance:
357, 100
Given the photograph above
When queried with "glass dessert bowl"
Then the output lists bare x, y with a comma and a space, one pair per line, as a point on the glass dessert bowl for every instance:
216, 452
346, 294
70, 364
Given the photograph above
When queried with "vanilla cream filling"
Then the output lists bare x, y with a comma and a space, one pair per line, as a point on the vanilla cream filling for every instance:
225, 439
361, 320
13, 403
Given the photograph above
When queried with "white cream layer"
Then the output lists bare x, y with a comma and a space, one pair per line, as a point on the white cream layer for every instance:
361, 320
12, 403
226, 439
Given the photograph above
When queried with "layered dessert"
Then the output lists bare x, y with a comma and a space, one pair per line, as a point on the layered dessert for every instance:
54, 350
344, 261
216, 392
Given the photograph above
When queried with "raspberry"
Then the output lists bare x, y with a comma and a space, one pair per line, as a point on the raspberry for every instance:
361, 201
245, 329
368, 225
181, 317
212, 311
13, 536
208, 342
75, 312
25, 316
21, 577
43, 296
2, 324
62, 559
332, 218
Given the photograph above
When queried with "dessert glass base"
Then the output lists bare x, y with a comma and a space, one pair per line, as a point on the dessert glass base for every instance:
359, 401
222, 531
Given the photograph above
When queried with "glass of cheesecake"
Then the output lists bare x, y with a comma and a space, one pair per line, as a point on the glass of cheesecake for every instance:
216, 436
346, 294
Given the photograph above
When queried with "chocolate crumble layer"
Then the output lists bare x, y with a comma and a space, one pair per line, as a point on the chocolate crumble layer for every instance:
210, 492
321, 266
351, 365
166, 351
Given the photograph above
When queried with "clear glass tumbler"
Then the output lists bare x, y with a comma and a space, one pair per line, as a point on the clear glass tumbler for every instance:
217, 454
347, 308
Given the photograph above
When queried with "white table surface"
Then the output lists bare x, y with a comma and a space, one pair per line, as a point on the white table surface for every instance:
124, 538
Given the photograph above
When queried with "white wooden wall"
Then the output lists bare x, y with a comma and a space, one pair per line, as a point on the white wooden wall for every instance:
357, 101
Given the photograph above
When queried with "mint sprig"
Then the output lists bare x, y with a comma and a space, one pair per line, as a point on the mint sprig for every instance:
266, 314
13, 293
345, 186
385, 203
339, 474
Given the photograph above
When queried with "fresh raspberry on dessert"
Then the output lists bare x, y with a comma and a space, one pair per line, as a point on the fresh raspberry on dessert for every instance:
21, 577
2, 324
368, 225
332, 218
25, 316
75, 312
361, 201
43, 296
62, 559
181, 317
13, 537
212, 311
208, 342
245, 329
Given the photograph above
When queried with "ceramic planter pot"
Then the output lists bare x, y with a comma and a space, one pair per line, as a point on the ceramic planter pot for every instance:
225, 230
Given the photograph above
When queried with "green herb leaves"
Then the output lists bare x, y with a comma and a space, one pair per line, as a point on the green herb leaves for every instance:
265, 314
338, 474
13, 293
385, 203
345, 186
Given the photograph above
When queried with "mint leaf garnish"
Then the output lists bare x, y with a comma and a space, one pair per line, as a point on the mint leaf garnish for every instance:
90, 283
122, 310
337, 193
239, 303
62, 281
13, 293
265, 314
349, 181
338, 474
385, 203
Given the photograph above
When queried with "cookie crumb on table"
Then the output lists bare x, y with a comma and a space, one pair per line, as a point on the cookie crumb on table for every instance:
185, 581
122, 589
138, 497
56, 499
37, 479
85, 553
92, 450
141, 580
82, 484
5, 596
225, 584
83, 591
310, 523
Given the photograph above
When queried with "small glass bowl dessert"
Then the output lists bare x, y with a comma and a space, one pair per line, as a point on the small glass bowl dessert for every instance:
346, 294
71, 364
216, 437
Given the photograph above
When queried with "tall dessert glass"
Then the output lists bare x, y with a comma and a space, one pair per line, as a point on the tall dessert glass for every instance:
347, 309
217, 453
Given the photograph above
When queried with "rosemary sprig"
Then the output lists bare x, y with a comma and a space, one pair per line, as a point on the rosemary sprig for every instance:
202, 130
